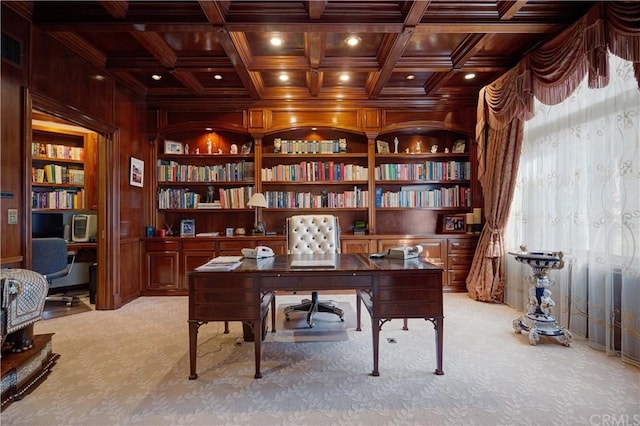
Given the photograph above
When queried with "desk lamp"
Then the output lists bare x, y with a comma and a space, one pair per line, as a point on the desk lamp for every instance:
257, 200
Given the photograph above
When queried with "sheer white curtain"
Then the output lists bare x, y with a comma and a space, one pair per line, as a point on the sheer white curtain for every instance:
578, 191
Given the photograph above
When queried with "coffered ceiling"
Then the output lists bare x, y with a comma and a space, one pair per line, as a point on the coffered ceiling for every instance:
218, 53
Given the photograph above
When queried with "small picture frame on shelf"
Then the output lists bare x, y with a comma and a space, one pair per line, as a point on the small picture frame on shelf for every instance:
246, 148
187, 228
454, 224
383, 147
171, 147
136, 172
459, 146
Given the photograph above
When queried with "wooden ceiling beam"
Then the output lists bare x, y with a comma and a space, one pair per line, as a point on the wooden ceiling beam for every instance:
314, 49
237, 49
314, 82
469, 47
116, 8
158, 48
316, 8
508, 9
393, 46
436, 81
189, 81
214, 11
132, 83
81, 47
439, 27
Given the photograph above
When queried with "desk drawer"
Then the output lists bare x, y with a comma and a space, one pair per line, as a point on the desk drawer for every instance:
462, 245
405, 295
460, 261
313, 281
199, 245
162, 245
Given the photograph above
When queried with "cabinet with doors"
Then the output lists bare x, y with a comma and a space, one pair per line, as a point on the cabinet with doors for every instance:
63, 169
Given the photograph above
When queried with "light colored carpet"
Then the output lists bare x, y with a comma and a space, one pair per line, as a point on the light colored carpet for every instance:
130, 366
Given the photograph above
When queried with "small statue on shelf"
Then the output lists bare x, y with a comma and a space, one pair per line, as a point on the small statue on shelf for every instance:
277, 144
209, 145
210, 192
418, 147
234, 149
342, 144
395, 144
186, 149
434, 149
197, 151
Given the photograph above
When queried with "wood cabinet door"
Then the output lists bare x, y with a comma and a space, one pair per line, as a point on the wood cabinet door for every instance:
191, 259
357, 246
163, 271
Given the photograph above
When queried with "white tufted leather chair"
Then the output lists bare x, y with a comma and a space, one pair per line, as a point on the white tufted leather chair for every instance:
313, 234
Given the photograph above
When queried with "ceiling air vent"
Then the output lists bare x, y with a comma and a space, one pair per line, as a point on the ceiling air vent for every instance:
11, 49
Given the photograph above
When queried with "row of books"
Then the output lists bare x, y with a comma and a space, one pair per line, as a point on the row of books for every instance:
335, 200
429, 170
171, 171
54, 173
50, 150
314, 171
58, 199
184, 198
455, 196
284, 146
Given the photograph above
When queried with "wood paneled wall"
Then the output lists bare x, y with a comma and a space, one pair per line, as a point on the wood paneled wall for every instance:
12, 164
64, 84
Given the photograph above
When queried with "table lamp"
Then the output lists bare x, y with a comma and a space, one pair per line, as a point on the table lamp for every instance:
257, 200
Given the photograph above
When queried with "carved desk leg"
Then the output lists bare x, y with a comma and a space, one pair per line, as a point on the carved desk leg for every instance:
439, 327
375, 331
193, 348
257, 341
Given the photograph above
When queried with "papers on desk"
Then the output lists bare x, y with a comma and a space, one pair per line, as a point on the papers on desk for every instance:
221, 263
313, 264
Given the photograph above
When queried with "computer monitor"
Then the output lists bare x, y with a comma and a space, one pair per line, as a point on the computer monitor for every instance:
44, 225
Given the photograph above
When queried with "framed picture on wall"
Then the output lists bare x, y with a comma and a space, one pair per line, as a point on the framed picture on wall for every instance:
454, 224
136, 172
188, 228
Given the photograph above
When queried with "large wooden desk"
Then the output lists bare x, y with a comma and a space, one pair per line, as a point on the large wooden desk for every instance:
389, 288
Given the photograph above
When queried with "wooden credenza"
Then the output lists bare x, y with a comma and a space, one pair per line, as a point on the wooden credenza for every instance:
167, 260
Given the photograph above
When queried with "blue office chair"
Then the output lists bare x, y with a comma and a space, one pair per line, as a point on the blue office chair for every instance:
313, 234
50, 257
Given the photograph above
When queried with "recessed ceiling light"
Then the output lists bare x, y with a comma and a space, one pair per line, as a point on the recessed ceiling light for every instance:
283, 77
156, 77
469, 76
314, 128
275, 41
411, 77
217, 77
352, 40
344, 77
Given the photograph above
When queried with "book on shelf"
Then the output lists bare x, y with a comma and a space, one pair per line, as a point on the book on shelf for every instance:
221, 263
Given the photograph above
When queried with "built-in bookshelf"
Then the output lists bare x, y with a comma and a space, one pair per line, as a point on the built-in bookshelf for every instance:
62, 169
204, 175
207, 176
